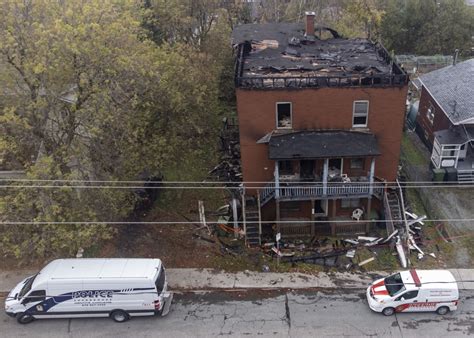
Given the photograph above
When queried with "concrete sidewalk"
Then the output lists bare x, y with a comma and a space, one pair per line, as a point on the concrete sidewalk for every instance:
206, 279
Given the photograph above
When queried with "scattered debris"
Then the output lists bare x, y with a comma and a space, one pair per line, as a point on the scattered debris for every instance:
229, 167
202, 216
401, 252
351, 253
366, 261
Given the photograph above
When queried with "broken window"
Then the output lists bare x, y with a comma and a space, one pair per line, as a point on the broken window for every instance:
430, 113
283, 114
357, 163
285, 168
350, 203
360, 113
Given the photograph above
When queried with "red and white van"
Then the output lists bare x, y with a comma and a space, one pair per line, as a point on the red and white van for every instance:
414, 291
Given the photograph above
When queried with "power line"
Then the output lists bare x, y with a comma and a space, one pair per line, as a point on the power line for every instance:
240, 186
203, 182
214, 222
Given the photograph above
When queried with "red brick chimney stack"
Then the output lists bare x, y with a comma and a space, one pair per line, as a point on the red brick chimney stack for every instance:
310, 23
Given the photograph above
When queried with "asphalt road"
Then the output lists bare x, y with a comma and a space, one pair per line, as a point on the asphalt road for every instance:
307, 313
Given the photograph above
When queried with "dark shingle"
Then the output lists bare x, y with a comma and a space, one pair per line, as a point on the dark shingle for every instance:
322, 144
453, 88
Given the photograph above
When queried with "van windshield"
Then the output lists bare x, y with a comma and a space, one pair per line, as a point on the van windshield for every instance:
394, 284
27, 287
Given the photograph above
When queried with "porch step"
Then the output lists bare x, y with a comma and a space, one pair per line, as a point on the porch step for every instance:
252, 235
395, 208
466, 176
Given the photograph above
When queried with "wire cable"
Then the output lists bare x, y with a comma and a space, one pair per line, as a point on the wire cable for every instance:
215, 222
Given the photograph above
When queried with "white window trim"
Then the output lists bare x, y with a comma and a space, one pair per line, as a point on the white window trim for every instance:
291, 115
430, 111
366, 116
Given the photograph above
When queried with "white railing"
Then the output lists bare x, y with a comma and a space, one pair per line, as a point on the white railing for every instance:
267, 193
295, 191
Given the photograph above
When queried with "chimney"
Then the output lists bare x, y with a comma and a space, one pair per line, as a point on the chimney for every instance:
310, 23
455, 58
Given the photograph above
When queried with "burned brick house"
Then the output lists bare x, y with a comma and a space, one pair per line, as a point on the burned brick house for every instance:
320, 123
445, 119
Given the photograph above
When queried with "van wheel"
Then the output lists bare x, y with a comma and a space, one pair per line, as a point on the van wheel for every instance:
119, 316
388, 311
442, 310
24, 318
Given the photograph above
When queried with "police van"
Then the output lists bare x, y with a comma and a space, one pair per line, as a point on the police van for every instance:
77, 288
414, 291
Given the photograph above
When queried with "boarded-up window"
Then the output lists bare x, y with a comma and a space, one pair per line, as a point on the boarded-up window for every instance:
350, 203
357, 163
283, 114
360, 113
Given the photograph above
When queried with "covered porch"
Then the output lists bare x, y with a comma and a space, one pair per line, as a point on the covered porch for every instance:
321, 164
454, 148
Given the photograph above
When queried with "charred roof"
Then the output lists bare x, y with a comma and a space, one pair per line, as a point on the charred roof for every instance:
283, 50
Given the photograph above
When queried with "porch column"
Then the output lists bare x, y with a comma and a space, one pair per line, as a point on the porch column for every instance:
312, 217
368, 225
277, 181
325, 176
371, 176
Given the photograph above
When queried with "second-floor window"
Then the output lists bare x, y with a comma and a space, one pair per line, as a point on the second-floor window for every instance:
360, 113
430, 113
283, 115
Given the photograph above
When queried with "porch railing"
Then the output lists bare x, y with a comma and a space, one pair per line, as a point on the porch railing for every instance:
298, 191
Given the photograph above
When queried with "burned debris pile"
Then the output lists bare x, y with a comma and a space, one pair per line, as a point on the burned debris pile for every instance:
229, 168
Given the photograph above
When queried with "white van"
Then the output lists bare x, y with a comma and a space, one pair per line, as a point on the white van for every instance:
414, 291
76, 288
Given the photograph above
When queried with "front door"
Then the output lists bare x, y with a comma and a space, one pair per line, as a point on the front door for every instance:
408, 302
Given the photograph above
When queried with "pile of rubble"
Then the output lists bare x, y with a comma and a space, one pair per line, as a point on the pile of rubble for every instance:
229, 167
344, 253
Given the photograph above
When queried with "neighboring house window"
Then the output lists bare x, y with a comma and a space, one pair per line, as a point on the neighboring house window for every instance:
360, 113
357, 163
350, 203
283, 114
285, 168
430, 113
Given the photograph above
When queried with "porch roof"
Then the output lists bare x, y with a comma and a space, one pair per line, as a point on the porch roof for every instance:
322, 144
457, 135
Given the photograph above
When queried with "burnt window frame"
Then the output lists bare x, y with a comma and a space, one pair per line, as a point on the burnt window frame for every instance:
366, 114
283, 171
277, 117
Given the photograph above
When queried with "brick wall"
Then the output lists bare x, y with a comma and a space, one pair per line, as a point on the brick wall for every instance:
323, 108
425, 127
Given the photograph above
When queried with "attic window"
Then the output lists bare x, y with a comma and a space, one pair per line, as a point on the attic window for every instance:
283, 112
430, 113
360, 113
